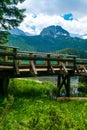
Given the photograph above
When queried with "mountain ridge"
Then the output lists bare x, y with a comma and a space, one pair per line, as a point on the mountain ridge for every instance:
53, 38
18, 31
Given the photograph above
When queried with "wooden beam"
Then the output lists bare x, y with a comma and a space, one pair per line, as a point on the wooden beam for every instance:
16, 69
64, 80
33, 68
64, 67
52, 69
84, 68
67, 86
4, 82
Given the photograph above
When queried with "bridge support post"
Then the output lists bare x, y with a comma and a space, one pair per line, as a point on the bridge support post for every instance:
63, 80
4, 82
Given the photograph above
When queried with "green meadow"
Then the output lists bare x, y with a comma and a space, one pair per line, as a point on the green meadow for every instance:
29, 107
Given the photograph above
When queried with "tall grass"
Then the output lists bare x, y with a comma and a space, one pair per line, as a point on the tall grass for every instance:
29, 88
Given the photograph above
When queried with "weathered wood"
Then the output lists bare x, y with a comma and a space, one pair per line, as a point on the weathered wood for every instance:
33, 68
84, 68
16, 69
52, 69
64, 80
64, 67
67, 86
4, 82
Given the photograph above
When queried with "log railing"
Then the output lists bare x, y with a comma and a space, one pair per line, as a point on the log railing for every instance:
12, 58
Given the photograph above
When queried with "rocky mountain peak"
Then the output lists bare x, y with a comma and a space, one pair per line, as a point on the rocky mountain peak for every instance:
54, 31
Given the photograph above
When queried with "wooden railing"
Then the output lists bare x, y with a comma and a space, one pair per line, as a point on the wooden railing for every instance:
35, 62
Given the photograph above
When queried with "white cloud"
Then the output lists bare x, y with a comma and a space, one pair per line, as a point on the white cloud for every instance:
84, 37
56, 6
43, 13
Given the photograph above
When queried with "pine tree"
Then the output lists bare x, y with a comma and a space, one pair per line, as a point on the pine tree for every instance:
10, 16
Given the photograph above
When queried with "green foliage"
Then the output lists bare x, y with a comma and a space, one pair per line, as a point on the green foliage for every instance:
29, 88
22, 42
10, 17
48, 44
3, 37
69, 51
37, 111
83, 89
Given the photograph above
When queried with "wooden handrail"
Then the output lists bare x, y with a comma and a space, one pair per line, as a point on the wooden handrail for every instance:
52, 61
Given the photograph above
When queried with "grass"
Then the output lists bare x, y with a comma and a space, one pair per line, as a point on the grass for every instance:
29, 107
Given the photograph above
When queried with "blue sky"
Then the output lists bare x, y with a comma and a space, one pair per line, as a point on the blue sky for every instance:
70, 14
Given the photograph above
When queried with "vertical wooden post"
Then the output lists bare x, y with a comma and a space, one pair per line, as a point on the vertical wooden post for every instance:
19, 61
35, 59
59, 79
6, 58
74, 63
59, 58
48, 62
16, 70
32, 66
67, 86
58, 85
30, 54
4, 82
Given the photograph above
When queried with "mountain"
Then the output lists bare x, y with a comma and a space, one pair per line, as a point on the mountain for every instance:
79, 36
17, 31
75, 35
52, 38
54, 31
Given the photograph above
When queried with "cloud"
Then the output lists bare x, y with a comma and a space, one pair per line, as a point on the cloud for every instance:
43, 13
35, 25
58, 7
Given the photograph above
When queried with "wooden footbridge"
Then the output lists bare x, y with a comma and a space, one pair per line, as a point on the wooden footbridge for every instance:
16, 64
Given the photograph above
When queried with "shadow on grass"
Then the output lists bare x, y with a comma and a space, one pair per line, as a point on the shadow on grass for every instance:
33, 92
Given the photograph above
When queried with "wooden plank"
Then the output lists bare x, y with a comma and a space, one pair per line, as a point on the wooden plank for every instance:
6, 67
64, 67
16, 68
33, 68
84, 68
52, 69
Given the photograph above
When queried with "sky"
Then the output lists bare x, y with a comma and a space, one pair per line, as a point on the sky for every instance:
69, 14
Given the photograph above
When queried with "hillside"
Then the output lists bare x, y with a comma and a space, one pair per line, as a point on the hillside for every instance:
51, 39
78, 53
